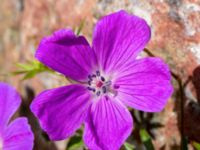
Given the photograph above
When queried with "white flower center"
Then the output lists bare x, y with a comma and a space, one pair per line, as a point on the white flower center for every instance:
99, 85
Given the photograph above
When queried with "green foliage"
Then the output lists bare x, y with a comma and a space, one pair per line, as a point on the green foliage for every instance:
75, 143
79, 28
30, 69
185, 143
128, 146
146, 139
196, 145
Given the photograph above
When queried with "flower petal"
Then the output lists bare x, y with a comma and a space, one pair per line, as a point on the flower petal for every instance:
118, 38
108, 125
9, 103
68, 54
18, 136
145, 84
62, 110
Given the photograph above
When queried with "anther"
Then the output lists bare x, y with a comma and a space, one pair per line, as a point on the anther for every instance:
97, 73
90, 77
98, 93
89, 82
93, 76
108, 83
102, 79
104, 89
91, 89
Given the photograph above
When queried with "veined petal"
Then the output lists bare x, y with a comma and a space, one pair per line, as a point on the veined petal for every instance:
68, 54
118, 38
9, 103
145, 84
62, 110
18, 136
108, 125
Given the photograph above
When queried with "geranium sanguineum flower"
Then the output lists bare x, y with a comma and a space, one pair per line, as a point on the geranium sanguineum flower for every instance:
108, 78
14, 135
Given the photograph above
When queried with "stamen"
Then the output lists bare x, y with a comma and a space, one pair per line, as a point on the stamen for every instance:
100, 85
89, 82
98, 93
104, 89
108, 83
93, 76
91, 89
90, 77
97, 73
102, 79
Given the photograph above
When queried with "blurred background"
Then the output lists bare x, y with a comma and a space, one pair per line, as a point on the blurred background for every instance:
175, 26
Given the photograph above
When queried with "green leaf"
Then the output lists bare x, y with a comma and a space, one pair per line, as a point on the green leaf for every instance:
196, 145
146, 139
30, 69
185, 143
18, 72
80, 27
24, 66
75, 143
29, 75
128, 146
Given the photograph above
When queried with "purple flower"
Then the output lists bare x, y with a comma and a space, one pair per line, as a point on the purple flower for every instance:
108, 78
16, 135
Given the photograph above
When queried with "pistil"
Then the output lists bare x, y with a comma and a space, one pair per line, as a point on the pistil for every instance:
98, 84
